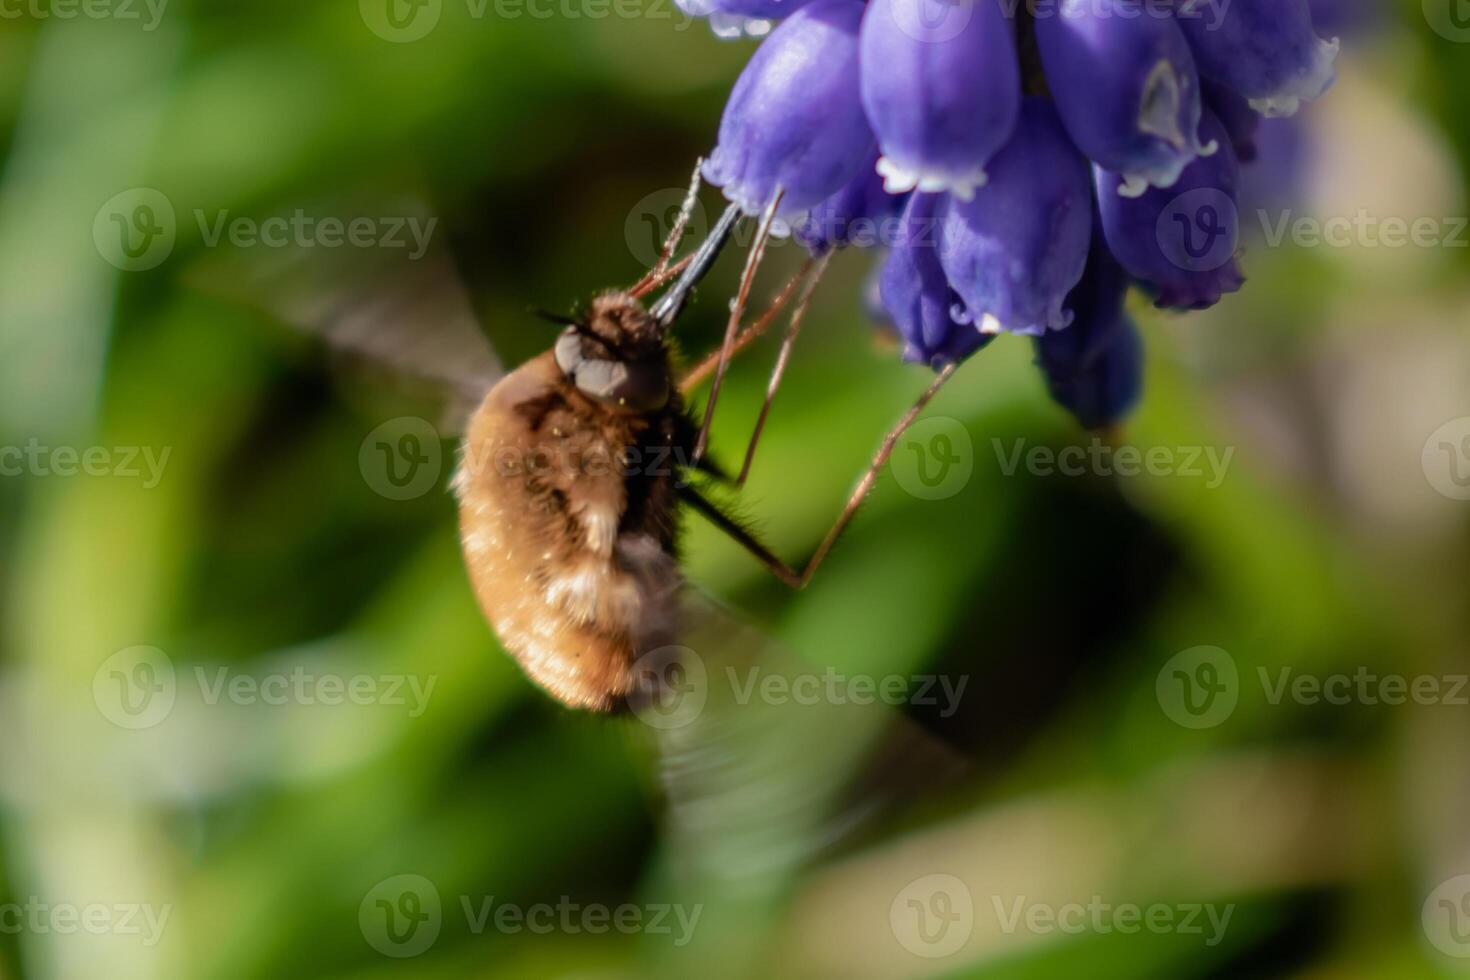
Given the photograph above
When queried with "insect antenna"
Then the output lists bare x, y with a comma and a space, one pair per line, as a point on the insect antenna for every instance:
560, 319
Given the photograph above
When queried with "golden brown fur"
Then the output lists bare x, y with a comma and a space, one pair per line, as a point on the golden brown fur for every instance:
568, 522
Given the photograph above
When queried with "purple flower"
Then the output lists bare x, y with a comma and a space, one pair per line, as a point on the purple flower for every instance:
1267, 50
902, 123
861, 214
1016, 250
942, 87
1180, 241
1126, 87
1094, 368
794, 122
927, 313
1241, 122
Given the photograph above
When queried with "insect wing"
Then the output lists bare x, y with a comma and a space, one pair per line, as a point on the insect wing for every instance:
763, 773
390, 308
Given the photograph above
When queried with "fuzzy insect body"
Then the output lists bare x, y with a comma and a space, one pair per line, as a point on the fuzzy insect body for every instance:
569, 517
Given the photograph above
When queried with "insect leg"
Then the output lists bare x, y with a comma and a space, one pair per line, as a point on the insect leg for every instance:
817, 269
784, 572
741, 536
865, 485
737, 311
661, 273
747, 336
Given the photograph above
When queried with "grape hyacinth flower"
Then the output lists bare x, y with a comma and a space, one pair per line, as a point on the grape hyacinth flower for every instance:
794, 123
863, 214
1094, 369
1180, 242
1267, 50
1126, 87
1045, 158
942, 87
928, 314
1016, 250
1241, 122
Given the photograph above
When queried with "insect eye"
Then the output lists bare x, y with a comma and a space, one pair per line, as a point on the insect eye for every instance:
638, 386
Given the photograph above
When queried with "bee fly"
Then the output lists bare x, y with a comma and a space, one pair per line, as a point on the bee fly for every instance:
575, 466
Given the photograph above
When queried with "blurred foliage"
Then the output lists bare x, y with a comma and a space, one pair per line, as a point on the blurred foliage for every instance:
536, 142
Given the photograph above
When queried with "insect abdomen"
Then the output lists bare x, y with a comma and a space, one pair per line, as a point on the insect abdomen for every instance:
573, 594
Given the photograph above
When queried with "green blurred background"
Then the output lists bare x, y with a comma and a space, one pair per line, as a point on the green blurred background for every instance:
262, 836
